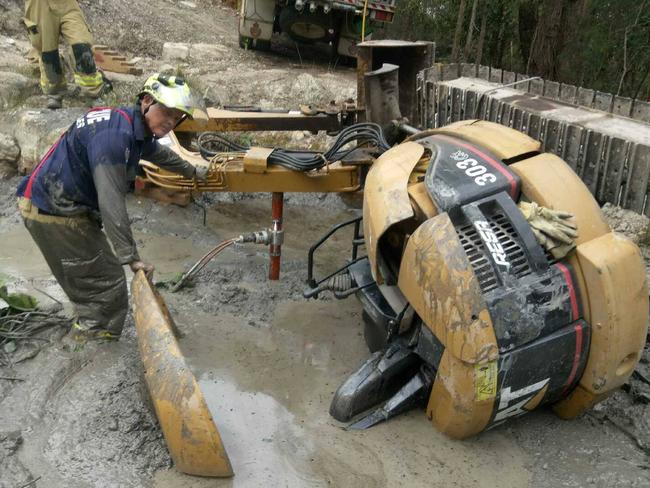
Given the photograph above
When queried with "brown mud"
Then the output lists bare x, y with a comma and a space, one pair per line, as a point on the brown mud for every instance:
267, 360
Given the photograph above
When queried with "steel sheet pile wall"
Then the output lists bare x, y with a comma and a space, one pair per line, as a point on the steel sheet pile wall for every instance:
609, 152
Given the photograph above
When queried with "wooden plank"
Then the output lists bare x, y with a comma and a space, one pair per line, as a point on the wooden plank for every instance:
491, 108
461, 105
450, 71
431, 104
110, 60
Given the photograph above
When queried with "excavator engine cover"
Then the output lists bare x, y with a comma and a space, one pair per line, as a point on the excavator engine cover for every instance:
472, 318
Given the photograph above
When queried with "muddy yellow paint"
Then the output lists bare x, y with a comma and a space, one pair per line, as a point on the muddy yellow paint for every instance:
453, 407
503, 142
387, 195
438, 281
191, 435
549, 181
614, 271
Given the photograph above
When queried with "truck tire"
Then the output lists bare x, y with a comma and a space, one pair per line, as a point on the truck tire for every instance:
307, 27
252, 43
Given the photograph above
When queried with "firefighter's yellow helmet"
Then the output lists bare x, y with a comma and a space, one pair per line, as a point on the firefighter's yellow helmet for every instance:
171, 91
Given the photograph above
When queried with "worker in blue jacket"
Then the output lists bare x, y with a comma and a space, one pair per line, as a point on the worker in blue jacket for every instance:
81, 184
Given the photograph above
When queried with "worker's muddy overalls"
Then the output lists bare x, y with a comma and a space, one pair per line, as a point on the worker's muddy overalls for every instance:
80, 184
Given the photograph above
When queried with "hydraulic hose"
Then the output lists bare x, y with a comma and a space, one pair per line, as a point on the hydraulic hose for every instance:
198, 266
301, 160
259, 237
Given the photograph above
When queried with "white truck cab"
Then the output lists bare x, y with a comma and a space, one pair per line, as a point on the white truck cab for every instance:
339, 23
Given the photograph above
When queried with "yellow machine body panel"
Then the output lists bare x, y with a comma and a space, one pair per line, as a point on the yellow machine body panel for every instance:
239, 174
502, 141
610, 279
421, 201
549, 181
192, 437
614, 272
438, 281
387, 195
462, 397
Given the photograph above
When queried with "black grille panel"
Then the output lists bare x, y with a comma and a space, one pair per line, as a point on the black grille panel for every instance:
507, 237
477, 253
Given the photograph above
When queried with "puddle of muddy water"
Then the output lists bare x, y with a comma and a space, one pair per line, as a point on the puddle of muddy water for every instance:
269, 390
269, 363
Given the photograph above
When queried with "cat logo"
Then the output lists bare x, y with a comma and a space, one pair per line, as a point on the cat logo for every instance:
514, 403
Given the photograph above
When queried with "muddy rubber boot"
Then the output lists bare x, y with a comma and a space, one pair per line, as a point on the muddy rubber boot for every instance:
104, 335
80, 334
54, 102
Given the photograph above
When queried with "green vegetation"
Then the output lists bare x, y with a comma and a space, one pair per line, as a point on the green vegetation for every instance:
600, 44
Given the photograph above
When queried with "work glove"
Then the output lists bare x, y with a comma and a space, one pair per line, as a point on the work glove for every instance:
554, 229
201, 172
141, 265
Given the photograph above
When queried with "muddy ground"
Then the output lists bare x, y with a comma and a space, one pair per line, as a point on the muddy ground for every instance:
267, 360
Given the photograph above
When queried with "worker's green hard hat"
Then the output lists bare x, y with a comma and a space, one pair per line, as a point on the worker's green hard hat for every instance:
171, 91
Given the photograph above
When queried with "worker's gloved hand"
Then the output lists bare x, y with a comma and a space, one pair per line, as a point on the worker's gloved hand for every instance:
201, 172
554, 229
141, 265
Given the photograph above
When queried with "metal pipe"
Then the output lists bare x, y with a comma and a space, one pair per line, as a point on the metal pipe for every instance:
406, 128
275, 248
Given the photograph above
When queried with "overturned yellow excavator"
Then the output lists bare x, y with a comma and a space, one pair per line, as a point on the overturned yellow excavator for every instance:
469, 311
466, 312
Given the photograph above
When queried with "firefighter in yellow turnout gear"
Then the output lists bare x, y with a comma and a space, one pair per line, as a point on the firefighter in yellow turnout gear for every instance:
46, 21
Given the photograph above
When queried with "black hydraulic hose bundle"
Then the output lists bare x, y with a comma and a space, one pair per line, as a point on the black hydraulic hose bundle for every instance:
302, 160
211, 143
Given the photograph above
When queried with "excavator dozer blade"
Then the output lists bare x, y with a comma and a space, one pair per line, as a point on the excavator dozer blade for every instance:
191, 435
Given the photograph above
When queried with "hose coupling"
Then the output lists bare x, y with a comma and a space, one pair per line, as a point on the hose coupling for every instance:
265, 237
257, 237
277, 237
